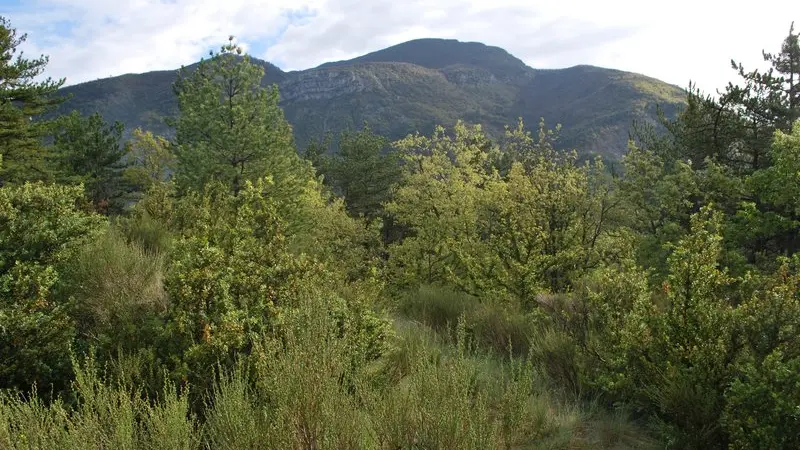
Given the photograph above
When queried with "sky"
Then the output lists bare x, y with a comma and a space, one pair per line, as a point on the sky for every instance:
676, 41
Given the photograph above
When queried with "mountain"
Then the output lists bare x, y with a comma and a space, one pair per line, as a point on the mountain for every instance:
413, 87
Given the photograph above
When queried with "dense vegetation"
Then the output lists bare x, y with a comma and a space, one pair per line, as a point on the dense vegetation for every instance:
222, 290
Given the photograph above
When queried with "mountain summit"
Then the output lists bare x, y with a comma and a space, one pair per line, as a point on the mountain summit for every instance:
416, 85
441, 53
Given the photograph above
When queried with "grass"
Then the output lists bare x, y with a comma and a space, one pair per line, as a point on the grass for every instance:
493, 326
114, 285
433, 390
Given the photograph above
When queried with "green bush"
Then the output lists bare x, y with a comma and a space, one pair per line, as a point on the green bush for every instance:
298, 389
762, 408
41, 228
763, 400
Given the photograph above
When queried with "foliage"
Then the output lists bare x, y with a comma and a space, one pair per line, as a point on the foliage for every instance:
545, 223
438, 201
444, 400
23, 97
696, 344
230, 129
233, 275
761, 401
41, 228
117, 294
608, 319
228, 274
88, 151
107, 414
658, 202
732, 140
362, 171
523, 299
151, 159
779, 209
517, 230
491, 327
761, 409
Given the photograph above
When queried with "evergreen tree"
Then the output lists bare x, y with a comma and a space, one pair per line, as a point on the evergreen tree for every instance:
230, 128
736, 129
317, 153
22, 101
89, 151
774, 96
363, 172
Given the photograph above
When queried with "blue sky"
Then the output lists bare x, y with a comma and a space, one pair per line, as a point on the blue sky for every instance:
675, 41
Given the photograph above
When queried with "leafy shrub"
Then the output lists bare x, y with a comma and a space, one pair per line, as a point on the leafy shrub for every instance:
607, 318
234, 277
762, 401
761, 410
41, 227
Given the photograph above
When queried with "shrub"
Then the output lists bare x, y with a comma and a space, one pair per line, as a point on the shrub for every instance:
41, 227
762, 408
763, 401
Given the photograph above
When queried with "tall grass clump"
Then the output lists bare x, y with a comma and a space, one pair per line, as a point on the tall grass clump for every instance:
106, 415
298, 390
115, 287
494, 325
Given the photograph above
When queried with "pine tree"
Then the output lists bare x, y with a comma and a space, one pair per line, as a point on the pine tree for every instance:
89, 151
363, 172
230, 128
736, 128
22, 101
787, 82
768, 101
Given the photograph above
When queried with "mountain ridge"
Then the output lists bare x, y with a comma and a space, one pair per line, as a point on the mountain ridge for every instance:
414, 86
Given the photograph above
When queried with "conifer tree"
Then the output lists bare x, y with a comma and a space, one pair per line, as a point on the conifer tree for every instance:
88, 150
767, 101
363, 172
230, 128
22, 101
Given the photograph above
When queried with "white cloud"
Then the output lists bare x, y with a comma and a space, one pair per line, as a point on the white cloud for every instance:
674, 41
113, 38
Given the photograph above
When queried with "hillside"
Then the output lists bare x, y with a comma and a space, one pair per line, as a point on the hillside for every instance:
414, 86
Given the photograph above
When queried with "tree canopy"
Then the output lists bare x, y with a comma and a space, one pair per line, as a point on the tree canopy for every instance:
23, 99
